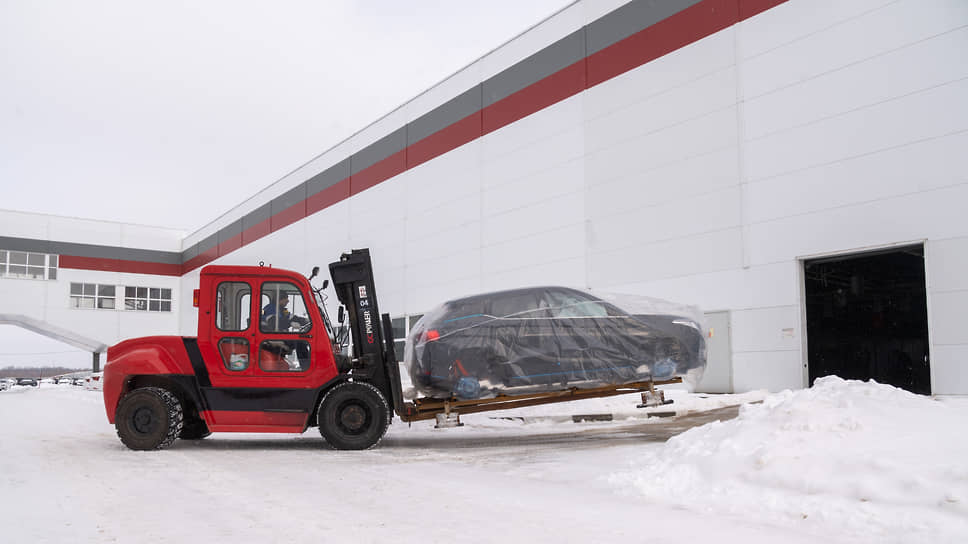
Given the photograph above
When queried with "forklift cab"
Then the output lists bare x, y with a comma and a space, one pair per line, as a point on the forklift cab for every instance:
259, 327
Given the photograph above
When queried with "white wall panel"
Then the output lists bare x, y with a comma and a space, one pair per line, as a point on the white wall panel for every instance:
770, 370
84, 231
926, 215
142, 237
454, 214
663, 76
457, 240
738, 288
569, 272
23, 225
894, 123
556, 181
710, 252
693, 138
699, 97
921, 166
947, 264
445, 179
766, 329
531, 159
705, 213
914, 68
535, 129
949, 370
692, 177
535, 249
798, 19
877, 32
948, 323
549, 215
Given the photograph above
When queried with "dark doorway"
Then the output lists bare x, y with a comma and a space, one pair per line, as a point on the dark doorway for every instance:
867, 317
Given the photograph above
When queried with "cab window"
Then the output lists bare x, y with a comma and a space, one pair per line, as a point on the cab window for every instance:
232, 306
283, 309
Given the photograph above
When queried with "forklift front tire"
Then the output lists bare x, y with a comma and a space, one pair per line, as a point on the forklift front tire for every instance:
353, 416
149, 418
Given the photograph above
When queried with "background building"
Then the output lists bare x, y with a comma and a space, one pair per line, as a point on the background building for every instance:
794, 168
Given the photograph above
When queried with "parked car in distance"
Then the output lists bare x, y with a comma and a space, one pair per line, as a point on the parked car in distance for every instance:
4, 385
93, 382
27, 381
78, 381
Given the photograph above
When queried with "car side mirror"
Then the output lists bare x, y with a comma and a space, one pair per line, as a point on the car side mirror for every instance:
340, 315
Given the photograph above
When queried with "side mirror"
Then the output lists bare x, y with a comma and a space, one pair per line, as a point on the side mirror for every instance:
325, 284
315, 273
340, 315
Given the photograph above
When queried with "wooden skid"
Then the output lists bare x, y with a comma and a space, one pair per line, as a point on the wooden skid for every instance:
428, 408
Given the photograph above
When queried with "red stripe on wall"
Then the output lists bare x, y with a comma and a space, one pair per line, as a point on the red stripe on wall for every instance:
327, 197
447, 139
558, 86
387, 168
288, 216
117, 265
230, 245
256, 231
688, 26
749, 8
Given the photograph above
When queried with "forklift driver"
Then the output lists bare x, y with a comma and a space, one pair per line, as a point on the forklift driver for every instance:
276, 318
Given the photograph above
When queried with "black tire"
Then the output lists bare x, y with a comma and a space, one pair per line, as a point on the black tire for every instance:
353, 416
149, 418
194, 429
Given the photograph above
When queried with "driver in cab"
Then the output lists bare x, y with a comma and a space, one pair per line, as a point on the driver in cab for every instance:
276, 317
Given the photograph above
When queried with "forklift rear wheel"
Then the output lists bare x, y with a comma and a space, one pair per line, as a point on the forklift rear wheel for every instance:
353, 416
149, 418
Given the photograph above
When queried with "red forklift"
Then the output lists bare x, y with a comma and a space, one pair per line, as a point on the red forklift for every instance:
268, 358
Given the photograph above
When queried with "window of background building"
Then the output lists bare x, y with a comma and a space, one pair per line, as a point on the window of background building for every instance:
24, 264
401, 328
147, 299
92, 295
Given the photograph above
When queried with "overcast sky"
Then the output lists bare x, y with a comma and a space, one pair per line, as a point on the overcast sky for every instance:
171, 113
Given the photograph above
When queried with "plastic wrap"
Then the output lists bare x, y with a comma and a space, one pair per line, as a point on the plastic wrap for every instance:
551, 338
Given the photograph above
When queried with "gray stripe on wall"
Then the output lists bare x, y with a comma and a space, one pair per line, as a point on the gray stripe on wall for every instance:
448, 113
629, 19
208, 243
230, 231
329, 177
392, 143
289, 198
257, 216
90, 250
189, 253
559, 55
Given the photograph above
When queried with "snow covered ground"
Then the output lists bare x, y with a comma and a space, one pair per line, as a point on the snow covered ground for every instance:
840, 462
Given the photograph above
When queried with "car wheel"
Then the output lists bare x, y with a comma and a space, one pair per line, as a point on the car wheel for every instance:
149, 419
353, 416
194, 429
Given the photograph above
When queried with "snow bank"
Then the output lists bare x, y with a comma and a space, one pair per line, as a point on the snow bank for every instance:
851, 456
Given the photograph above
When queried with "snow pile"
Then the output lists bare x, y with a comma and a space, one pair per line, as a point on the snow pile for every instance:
859, 458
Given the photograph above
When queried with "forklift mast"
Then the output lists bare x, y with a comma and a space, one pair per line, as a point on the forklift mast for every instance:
374, 359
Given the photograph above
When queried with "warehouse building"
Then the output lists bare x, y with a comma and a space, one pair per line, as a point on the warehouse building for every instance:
795, 168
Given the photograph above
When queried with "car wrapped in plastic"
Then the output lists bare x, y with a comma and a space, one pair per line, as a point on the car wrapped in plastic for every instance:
551, 338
